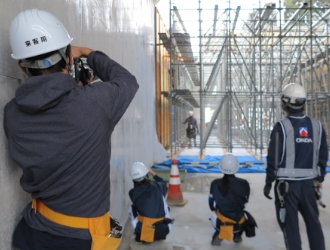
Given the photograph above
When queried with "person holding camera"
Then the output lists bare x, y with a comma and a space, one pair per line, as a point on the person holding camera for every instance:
149, 212
59, 135
297, 156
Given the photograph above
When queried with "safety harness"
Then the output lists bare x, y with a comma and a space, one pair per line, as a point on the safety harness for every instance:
148, 227
99, 227
282, 192
227, 226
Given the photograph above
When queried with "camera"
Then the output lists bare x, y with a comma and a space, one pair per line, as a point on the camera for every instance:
82, 72
115, 228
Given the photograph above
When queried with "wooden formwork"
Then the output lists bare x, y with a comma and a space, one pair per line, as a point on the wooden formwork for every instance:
162, 84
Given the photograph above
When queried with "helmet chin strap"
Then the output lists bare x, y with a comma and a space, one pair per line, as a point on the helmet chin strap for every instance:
62, 52
285, 105
28, 73
70, 67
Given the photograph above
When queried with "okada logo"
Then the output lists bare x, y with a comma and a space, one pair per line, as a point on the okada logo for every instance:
305, 140
303, 132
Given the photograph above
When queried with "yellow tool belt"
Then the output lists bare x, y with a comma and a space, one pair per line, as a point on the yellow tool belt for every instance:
99, 227
148, 231
227, 226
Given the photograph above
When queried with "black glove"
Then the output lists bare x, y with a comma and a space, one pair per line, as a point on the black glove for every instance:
267, 189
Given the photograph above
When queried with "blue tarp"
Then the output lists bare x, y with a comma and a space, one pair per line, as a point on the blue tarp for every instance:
212, 159
212, 169
210, 164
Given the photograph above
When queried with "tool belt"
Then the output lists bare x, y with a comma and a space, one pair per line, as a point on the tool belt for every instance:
148, 229
227, 226
99, 227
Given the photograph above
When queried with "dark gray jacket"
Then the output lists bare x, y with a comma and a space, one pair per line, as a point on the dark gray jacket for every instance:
59, 134
192, 123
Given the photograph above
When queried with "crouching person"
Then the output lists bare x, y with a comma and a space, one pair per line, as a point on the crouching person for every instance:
228, 197
149, 212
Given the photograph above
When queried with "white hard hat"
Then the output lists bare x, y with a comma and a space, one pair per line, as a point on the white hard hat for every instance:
138, 171
36, 32
229, 164
294, 95
191, 113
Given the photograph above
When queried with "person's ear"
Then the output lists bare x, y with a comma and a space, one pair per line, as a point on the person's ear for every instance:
21, 67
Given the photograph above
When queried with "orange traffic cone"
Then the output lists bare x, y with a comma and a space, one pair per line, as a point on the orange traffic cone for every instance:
174, 194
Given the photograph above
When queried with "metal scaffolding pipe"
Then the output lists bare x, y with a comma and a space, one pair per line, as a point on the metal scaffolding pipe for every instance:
213, 119
235, 19
298, 12
251, 70
264, 17
176, 11
214, 23
201, 92
215, 70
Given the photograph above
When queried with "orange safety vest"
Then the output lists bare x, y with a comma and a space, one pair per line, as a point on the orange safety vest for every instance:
148, 231
99, 227
227, 226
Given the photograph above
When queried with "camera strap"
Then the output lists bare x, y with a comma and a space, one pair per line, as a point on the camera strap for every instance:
76, 70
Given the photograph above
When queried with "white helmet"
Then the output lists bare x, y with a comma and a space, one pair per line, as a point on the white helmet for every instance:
36, 32
294, 95
190, 113
229, 164
138, 171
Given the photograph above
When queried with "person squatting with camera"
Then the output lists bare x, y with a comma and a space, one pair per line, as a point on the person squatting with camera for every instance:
59, 134
149, 212
227, 200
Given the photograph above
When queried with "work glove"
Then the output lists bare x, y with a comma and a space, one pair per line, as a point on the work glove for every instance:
267, 189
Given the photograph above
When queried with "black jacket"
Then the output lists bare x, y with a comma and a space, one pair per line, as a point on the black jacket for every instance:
148, 199
227, 204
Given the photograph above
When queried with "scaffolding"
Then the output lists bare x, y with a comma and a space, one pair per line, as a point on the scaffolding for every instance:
236, 62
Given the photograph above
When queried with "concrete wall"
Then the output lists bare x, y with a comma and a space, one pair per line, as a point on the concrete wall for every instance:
124, 29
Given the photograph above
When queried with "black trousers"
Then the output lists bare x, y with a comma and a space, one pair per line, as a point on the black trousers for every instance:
27, 238
301, 198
